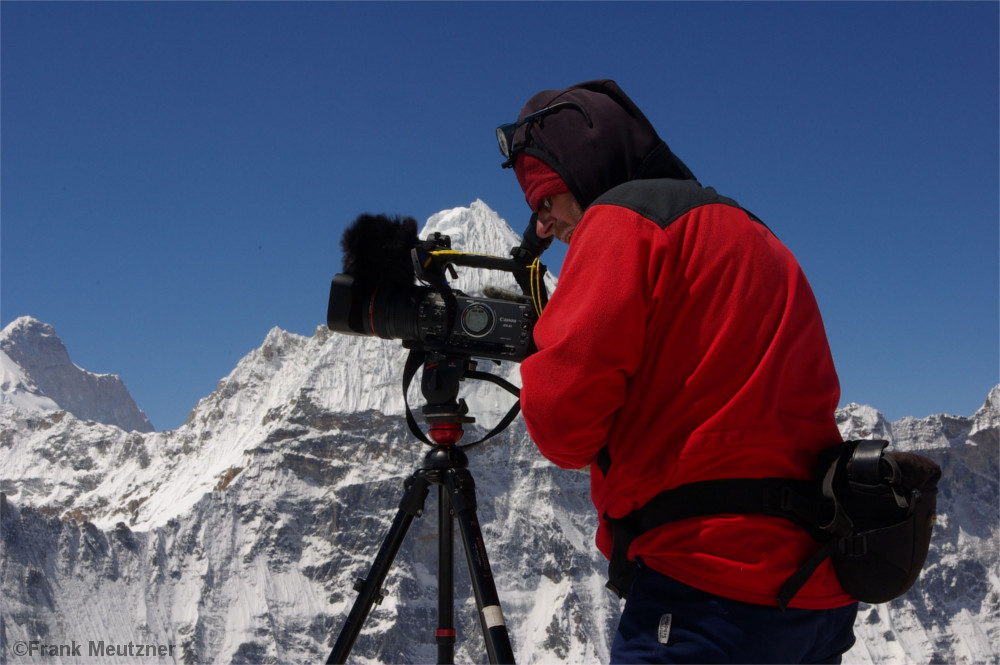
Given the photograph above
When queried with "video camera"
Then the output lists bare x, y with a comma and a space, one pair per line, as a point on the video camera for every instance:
376, 295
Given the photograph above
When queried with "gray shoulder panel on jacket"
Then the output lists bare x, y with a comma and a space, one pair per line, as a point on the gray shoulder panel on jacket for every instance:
663, 200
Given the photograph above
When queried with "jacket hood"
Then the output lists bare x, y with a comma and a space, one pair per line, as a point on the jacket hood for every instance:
609, 143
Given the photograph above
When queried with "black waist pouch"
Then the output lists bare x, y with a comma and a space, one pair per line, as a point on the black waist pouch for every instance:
884, 505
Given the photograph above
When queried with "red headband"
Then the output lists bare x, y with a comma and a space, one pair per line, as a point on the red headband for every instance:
537, 180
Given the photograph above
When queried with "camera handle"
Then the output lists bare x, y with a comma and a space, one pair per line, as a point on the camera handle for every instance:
439, 384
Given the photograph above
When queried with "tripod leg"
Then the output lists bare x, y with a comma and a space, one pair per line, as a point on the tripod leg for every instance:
369, 589
462, 491
446, 580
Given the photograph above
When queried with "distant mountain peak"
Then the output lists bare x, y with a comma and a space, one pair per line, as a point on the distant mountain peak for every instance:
476, 228
863, 422
29, 335
35, 354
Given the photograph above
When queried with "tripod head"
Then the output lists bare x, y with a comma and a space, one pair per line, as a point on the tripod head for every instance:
444, 410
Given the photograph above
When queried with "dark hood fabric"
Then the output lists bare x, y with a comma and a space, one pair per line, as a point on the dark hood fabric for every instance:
620, 146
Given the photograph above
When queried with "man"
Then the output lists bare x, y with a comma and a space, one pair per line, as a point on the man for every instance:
682, 344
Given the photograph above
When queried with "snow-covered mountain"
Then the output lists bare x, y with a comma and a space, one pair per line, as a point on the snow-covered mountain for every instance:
238, 536
37, 372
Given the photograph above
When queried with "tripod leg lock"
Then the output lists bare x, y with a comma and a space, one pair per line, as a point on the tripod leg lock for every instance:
417, 488
359, 584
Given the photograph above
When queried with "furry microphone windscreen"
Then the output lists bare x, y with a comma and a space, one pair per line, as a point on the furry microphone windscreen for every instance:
377, 249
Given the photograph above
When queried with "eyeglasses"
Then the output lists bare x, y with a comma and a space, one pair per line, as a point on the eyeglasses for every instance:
505, 133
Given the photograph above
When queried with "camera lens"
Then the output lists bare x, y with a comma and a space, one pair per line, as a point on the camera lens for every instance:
478, 320
394, 312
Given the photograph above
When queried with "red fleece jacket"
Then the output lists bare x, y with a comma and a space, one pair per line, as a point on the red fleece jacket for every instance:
694, 350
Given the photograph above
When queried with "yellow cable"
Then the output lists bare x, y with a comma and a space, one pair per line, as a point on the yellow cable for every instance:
536, 285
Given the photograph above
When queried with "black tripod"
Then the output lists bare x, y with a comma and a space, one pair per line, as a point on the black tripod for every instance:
445, 466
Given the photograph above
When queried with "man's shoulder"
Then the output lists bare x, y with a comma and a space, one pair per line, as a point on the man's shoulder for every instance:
662, 200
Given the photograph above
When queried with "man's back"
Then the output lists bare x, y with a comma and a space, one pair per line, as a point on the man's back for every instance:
684, 337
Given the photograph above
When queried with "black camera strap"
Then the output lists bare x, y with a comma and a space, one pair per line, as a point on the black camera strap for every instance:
415, 360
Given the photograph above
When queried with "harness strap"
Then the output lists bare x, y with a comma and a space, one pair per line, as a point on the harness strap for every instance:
795, 500
844, 472
414, 359
805, 571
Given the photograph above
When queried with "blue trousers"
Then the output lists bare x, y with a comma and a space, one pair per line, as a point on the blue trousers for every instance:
665, 621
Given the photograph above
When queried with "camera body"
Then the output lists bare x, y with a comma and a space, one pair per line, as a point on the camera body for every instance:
449, 322
378, 295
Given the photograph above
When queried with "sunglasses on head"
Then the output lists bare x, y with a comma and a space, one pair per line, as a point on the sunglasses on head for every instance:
505, 133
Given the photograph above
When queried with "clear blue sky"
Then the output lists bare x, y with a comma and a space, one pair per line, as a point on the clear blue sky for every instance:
176, 176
